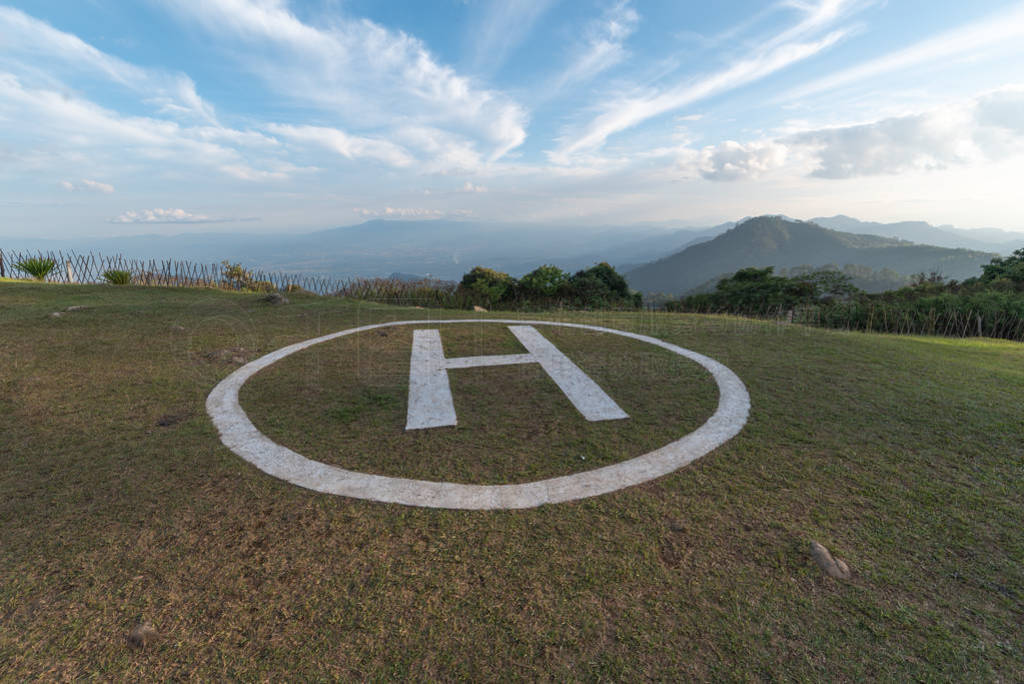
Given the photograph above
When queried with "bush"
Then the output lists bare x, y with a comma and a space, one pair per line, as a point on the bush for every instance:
544, 281
117, 277
601, 286
488, 284
37, 267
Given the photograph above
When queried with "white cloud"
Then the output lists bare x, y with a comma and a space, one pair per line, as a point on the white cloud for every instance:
627, 113
356, 70
731, 160
348, 146
163, 216
797, 43
986, 128
503, 26
603, 48
27, 38
87, 184
72, 123
470, 187
400, 212
999, 29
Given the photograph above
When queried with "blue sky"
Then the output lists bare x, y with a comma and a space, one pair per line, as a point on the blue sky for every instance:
169, 116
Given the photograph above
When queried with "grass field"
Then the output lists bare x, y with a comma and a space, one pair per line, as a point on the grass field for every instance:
903, 455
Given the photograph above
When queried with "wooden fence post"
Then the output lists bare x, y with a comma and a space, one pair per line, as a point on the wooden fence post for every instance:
2, 273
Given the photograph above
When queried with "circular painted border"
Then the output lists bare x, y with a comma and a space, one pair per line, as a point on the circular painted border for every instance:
239, 434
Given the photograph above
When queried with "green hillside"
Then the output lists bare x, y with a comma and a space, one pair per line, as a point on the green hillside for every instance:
775, 241
120, 505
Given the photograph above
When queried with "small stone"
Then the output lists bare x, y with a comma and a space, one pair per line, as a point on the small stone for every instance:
142, 635
76, 308
479, 308
240, 360
275, 298
178, 328
56, 314
833, 567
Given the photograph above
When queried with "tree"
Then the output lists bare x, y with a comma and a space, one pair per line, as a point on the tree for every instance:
491, 284
1009, 268
544, 281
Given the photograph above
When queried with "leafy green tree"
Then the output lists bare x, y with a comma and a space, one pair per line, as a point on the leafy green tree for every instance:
486, 282
1009, 268
830, 283
599, 286
544, 281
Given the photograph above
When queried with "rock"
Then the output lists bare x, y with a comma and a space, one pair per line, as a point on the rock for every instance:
56, 314
479, 308
275, 298
178, 328
833, 567
77, 307
142, 635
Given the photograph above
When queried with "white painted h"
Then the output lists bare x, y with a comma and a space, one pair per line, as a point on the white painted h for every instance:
430, 396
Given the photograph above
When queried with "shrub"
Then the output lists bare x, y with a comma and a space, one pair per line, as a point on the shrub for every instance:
37, 267
544, 281
601, 286
489, 284
116, 276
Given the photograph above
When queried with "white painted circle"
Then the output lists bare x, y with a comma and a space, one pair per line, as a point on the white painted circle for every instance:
239, 434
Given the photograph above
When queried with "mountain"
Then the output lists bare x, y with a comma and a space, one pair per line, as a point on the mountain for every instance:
780, 242
984, 239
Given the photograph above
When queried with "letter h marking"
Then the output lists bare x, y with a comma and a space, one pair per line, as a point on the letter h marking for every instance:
430, 395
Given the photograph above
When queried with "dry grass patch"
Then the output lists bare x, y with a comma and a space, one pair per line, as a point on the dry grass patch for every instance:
902, 455
344, 402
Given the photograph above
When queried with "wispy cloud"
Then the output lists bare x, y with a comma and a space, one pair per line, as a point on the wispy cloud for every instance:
502, 27
629, 112
164, 216
400, 212
86, 184
999, 29
69, 122
357, 72
603, 45
348, 146
27, 38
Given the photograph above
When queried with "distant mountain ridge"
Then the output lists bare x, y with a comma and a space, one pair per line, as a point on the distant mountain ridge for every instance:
447, 249
982, 239
785, 243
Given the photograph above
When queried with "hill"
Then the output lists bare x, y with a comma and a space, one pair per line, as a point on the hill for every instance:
776, 241
121, 504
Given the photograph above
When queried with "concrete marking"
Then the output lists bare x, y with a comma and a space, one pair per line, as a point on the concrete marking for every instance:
240, 436
430, 394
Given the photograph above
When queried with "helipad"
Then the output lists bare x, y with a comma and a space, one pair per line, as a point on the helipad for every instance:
239, 434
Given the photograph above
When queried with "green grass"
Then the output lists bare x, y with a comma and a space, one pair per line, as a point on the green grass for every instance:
903, 455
